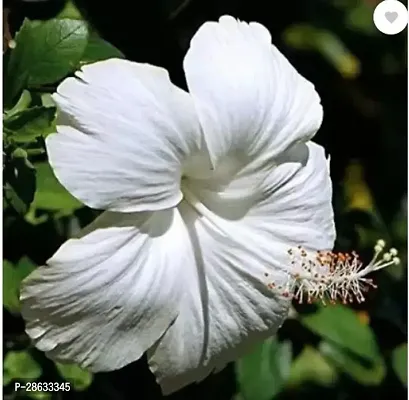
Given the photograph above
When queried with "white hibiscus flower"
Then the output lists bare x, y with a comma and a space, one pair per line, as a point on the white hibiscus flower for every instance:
204, 194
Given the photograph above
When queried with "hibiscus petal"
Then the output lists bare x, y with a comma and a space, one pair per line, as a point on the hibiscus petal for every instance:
293, 204
296, 203
107, 296
249, 98
124, 130
226, 308
241, 248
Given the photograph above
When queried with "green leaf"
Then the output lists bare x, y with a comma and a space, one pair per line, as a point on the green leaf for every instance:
262, 374
360, 18
330, 46
7, 379
70, 11
19, 181
78, 377
400, 362
45, 52
342, 326
22, 103
371, 373
311, 366
12, 277
10, 288
30, 123
21, 365
39, 395
47, 100
98, 49
349, 343
300, 36
50, 194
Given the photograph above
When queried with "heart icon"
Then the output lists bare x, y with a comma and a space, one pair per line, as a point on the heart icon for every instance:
391, 16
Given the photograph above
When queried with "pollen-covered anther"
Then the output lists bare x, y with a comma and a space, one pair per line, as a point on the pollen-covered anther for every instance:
327, 276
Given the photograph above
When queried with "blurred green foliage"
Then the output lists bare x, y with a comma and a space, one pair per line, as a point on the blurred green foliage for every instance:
338, 352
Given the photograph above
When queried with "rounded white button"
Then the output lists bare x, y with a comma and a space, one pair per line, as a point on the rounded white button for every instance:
390, 17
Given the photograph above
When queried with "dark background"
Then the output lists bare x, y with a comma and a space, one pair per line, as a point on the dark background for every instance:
364, 131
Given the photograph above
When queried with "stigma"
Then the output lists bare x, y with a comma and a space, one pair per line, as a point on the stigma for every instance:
332, 277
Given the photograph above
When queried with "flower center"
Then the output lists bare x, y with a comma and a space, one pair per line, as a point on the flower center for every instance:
197, 170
